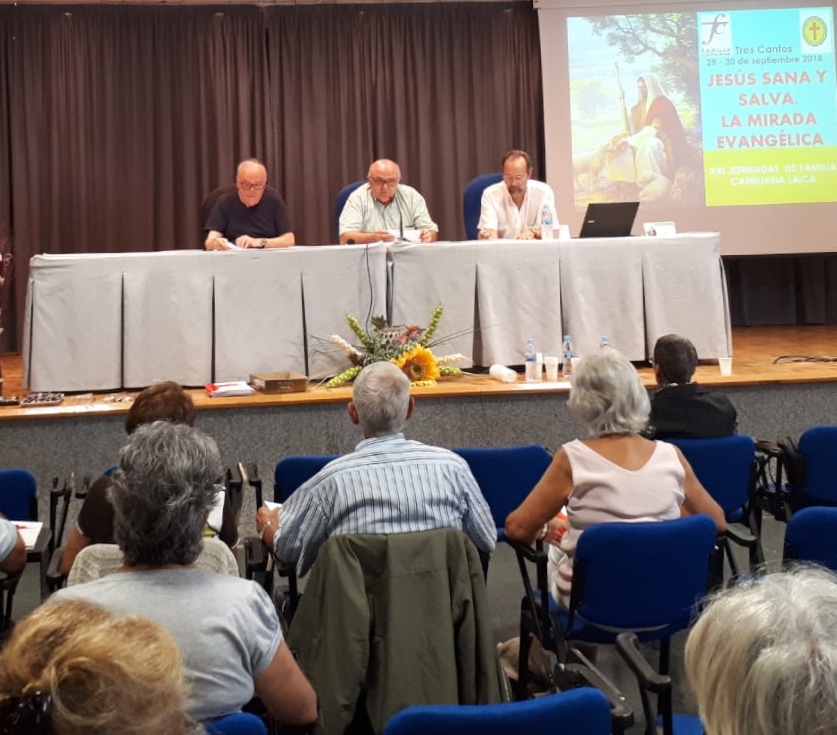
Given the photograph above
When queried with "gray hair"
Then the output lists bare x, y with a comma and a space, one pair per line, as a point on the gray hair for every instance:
607, 395
162, 492
381, 395
762, 659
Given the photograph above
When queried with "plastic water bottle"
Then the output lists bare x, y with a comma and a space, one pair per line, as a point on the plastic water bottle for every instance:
547, 232
605, 341
530, 363
567, 353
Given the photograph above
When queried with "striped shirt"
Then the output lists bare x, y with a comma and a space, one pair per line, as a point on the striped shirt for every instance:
387, 485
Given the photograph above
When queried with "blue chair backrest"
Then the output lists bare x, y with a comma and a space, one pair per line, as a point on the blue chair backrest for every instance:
725, 467
576, 712
18, 495
237, 723
818, 445
811, 536
340, 202
472, 200
506, 475
642, 575
294, 471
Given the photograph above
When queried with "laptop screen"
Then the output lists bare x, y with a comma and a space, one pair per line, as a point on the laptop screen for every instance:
609, 219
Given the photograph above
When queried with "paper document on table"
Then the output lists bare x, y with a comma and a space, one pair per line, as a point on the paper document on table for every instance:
233, 388
410, 234
29, 530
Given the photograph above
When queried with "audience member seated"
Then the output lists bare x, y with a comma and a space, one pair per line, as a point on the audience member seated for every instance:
375, 210
12, 548
73, 668
679, 407
161, 401
226, 627
252, 216
615, 475
762, 658
389, 484
512, 208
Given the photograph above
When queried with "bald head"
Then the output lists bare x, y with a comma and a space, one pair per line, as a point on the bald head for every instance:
383, 177
250, 180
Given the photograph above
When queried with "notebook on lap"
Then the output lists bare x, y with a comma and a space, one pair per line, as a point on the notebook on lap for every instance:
609, 219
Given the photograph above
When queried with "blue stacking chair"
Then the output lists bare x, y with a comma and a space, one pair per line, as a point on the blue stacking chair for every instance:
18, 495
340, 202
811, 536
577, 712
506, 475
237, 723
650, 681
815, 482
726, 467
641, 577
472, 201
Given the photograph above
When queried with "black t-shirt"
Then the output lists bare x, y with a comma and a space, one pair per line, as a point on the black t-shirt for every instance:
690, 411
232, 218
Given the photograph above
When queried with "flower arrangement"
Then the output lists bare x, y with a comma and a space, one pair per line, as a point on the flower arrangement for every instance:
409, 347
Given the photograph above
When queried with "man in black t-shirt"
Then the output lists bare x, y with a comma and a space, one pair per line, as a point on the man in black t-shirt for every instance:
252, 216
679, 407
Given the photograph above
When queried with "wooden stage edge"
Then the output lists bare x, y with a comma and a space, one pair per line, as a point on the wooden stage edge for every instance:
754, 349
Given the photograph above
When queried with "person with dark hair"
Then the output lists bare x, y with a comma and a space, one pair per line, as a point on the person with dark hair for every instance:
383, 205
226, 628
166, 401
252, 216
681, 408
73, 668
512, 208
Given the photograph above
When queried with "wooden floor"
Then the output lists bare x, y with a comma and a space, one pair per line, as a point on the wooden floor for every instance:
754, 351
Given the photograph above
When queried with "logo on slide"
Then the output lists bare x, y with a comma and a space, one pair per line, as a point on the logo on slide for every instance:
716, 34
814, 31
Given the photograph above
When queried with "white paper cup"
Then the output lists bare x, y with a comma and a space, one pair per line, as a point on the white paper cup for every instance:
551, 364
725, 364
563, 232
576, 361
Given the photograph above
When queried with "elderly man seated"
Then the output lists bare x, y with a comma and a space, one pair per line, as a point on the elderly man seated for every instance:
226, 627
389, 484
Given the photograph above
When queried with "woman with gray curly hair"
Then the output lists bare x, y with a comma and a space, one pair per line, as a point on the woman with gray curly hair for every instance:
615, 474
226, 628
762, 658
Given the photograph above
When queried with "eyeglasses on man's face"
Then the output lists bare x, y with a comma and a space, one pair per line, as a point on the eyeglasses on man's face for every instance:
249, 186
384, 182
519, 179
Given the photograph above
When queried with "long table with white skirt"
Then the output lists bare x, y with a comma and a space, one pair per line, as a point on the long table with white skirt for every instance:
106, 322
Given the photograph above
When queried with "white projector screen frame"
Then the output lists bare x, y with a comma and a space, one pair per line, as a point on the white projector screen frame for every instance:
751, 229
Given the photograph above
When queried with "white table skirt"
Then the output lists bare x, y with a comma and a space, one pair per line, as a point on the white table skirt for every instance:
104, 322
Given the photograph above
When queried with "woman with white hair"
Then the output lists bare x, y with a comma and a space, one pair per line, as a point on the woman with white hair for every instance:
762, 658
615, 474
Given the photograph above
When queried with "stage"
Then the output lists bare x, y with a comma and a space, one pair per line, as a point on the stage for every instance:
84, 433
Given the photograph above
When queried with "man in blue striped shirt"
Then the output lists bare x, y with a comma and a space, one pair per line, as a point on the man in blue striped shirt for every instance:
389, 484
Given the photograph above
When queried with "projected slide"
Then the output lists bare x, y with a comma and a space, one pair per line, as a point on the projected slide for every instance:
700, 109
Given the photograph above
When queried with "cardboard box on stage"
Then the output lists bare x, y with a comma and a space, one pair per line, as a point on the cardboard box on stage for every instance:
283, 381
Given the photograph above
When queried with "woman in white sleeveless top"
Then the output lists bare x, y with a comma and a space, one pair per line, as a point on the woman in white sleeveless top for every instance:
616, 475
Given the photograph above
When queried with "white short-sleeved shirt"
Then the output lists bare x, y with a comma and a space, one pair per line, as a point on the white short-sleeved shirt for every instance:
499, 212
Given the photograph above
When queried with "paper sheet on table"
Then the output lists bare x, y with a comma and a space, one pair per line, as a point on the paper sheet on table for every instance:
29, 530
410, 234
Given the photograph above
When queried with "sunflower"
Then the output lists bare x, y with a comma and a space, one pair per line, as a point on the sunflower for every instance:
419, 365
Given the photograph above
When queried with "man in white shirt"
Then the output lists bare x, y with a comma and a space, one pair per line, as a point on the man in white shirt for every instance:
384, 205
512, 208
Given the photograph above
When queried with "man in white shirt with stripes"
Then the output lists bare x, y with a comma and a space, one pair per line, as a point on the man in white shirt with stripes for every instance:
389, 484
512, 208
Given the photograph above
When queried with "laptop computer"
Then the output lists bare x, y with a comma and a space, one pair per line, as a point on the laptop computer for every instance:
609, 219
